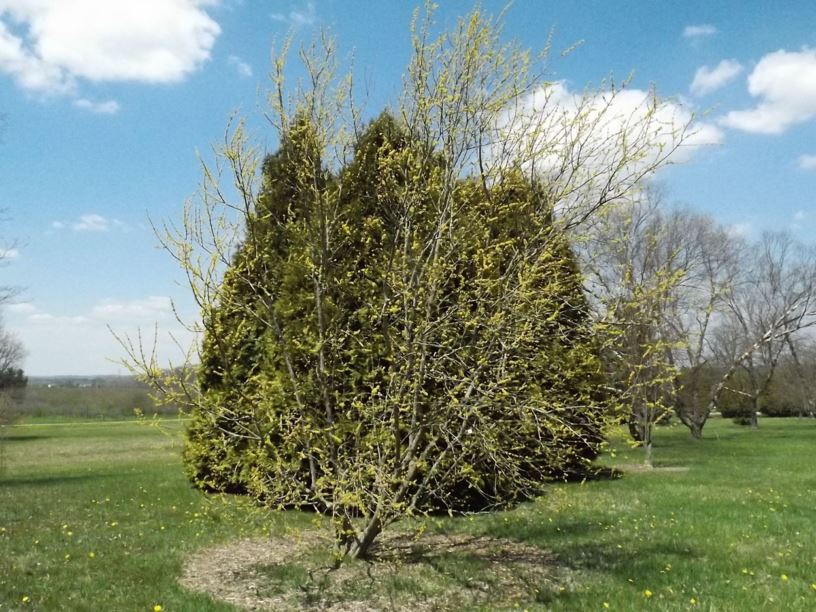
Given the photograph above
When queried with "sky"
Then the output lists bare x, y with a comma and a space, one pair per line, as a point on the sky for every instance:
108, 104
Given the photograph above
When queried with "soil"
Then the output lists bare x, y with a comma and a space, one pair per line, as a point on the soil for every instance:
293, 573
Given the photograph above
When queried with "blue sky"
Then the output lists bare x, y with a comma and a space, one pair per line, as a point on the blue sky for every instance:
107, 102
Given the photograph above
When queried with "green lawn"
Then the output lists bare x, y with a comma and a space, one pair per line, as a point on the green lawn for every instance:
98, 516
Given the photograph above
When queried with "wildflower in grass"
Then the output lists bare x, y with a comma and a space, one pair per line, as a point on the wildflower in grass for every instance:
647, 593
91, 555
157, 608
693, 601
606, 604
784, 577
25, 599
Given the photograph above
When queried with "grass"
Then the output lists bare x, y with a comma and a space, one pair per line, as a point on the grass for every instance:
98, 516
105, 402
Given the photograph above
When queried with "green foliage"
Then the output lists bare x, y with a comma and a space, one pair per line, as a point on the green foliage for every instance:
393, 318
328, 380
786, 395
12, 380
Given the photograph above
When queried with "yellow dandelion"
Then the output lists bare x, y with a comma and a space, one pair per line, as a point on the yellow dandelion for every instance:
91, 555
25, 599
606, 604
157, 608
693, 601
813, 586
784, 577
647, 593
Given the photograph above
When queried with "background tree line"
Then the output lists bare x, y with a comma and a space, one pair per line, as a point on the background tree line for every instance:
701, 319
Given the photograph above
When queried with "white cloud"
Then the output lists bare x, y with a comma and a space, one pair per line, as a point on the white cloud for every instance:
594, 147
699, 31
69, 343
47, 46
44, 317
241, 67
807, 162
30, 71
739, 230
298, 17
91, 223
22, 308
800, 215
785, 84
111, 107
9, 254
707, 80
149, 309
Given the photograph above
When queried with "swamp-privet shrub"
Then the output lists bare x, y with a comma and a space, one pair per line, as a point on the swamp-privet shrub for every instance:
380, 346
393, 319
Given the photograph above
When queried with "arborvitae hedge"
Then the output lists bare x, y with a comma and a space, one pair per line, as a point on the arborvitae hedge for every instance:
264, 331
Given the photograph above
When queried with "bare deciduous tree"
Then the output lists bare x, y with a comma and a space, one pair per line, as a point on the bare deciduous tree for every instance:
774, 300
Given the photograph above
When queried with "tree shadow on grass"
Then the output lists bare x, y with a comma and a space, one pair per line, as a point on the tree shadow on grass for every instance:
47, 481
17, 438
582, 546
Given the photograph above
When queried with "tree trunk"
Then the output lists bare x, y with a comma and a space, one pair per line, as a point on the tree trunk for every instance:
647, 458
696, 429
361, 547
635, 429
754, 412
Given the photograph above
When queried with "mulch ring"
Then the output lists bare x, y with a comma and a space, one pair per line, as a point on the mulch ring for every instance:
405, 572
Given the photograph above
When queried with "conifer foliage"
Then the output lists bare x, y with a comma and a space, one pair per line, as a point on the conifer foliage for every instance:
393, 321
377, 349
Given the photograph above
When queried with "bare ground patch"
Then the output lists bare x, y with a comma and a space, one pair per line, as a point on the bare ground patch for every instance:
434, 572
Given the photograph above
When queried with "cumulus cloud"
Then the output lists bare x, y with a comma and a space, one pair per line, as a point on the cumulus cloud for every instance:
49, 46
594, 147
111, 107
707, 80
240, 66
807, 162
150, 309
91, 223
699, 31
306, 16
784, 82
